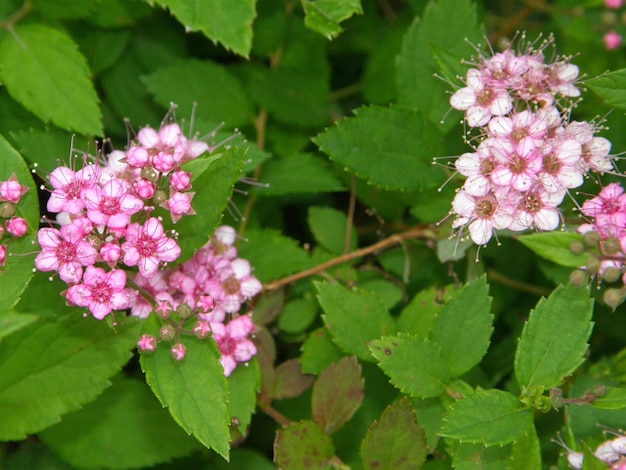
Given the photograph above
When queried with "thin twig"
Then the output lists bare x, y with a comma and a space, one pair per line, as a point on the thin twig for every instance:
494, 275
351, 206
276, 415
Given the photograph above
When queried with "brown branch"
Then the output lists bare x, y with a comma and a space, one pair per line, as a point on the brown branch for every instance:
424, 231
494, 275
276, 415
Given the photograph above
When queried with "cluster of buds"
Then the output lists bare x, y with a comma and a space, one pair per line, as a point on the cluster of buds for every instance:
604, 238
611, 38
203, 296
611, 452
526, 152
11, 191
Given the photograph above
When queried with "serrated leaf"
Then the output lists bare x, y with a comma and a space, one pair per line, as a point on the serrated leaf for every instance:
289, 379
43, 69
614, 399
488, 417
611, 87
526, 452
210, 90
337, 394
466, 456
415, 366
219, 173
70, 358
430, 413
318, 352
324, 16
354, 317
329, 227
298, 173
272, 255
17, 272
389, 147
229, 23
418, 316
125, 427
554, 246
554, 339
243, 385
450, 24
388, 291
194, 390
302, 445
395, 441
462, 329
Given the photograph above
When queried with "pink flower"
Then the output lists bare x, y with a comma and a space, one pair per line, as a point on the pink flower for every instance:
146, 343
101, 291
3, 254
482, 215
65, 251
16, 226
613, 4
517, 168
236, 284
179, 204
561, 167
233, 343
110, 205
68, 185
12, 190
146, 246
537, 208
166, 147
111, 252
612, 40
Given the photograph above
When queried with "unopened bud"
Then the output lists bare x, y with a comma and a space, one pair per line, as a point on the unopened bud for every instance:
167, 333
149, 174
578, 277
611, 274
7, 209
613, 298
591, 239
556, 398
611, 246
178, 351
184, 311
599, 390
159, 197
577, 247
593, 266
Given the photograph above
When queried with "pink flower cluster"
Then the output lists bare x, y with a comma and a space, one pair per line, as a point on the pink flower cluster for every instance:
612, 452
527, 154
11, 191
213, 285
106, 225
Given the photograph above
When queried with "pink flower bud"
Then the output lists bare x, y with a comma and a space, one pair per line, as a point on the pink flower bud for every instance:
178, 352
163, 162
201, 329
12, 190
17, 226
111, 252
137, 157
613, 4
179, 204
167, 333
612, 40
180, 180
144, 189
146, 343
3, 254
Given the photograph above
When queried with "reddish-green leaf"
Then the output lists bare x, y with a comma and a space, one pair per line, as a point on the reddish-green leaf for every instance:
289, 379
303, 445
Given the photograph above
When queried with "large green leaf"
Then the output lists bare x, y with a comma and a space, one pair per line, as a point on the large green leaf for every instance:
354, 317
329, 227
303, 445
389, 147
414, 365
229, 23
210, 89
194, 389
554, 339
324, 16
555, 246
488, 417
611, 87
395, 441
448, 25
125, 427
55, 365
318, 352
462, 330
43, 69
243, 384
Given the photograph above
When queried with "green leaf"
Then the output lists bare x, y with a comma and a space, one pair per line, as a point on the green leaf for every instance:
17, 272
488, 417
554, 246
462, 329
33, 454
272, 255
389, 147
298, 173
526, 452
319, 351
430, 413
337, 394
48, 147
14, 321
611, 87
466, 456
354, 317
70, 358
68, 9
415, 366
43, 69
302, 445
243, 384
219, 172
229, 23
329, 227
395, 440
297, 315
418, 316
388, 291
614, 399
324, 16
554, 339
125, 427
194, 389
450, 25
215, 93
